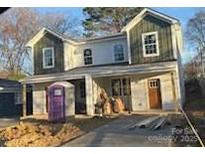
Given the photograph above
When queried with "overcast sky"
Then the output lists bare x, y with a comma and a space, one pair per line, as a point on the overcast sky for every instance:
181, 13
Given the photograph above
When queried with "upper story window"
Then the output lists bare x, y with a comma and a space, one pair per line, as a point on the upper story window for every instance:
118, 52
48, 57
88, 57
150, 44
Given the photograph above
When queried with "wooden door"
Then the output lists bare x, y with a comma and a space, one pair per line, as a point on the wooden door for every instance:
154, 94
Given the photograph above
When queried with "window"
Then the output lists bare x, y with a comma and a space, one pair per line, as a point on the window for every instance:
82, 89
88, 57
150, 44
48, 57
116, 87
17, 98
154, 83
126, 87
121, 87
118, 52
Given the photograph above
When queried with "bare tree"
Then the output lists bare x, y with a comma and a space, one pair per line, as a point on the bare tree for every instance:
195, 34
195, 31
17, 26
62, 23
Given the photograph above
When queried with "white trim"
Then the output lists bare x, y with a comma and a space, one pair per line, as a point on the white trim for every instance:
174, 43
129, 47
141, 15
123, 46
17, 98
42, 32
53, 57
157, 44
99, 72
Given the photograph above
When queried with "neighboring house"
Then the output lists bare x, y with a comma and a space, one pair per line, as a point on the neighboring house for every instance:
10, 99
141, 65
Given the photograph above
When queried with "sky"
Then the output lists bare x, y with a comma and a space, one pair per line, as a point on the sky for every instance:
181, 13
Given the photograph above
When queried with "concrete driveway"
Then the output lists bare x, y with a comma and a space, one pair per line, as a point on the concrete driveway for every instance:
6, 122
117, 134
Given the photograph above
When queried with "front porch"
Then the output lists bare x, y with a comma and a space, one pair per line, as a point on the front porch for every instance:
130, 83
134, 89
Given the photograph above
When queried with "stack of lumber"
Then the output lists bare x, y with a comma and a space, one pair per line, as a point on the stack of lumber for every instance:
153, 123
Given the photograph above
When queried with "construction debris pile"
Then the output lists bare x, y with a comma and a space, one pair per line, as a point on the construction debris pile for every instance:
27, 134
107, 106
41, 133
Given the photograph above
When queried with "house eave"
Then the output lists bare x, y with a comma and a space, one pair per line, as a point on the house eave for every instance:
103, 71
149, 11
42, 32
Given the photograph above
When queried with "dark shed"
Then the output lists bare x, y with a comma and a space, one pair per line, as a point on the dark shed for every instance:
10, 98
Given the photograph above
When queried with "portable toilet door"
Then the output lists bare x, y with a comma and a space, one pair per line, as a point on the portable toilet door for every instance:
56, 103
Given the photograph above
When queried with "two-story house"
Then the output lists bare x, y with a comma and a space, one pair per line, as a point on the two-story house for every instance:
141, 65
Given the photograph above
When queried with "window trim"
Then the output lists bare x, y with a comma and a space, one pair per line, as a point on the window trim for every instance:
88, 56
114, 52
122, 90
53, 58
157, 44
17, 98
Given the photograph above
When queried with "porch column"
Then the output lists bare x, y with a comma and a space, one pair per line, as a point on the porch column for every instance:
176, 92
89, 95
24, 99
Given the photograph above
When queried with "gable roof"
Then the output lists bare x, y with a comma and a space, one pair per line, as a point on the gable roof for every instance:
133, 22
43, 31
149, 11
63, 37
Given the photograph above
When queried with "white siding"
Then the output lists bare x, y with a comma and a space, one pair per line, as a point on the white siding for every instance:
138, 94
140, 97
69, 56
39, 98
102, 53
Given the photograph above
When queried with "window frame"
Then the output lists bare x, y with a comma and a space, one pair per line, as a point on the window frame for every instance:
156, 43
53, 57
124, 91
91, 56
17, 98
123, 52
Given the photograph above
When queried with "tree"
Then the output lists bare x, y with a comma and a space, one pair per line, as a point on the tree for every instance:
195, 34
106, 20
195, 31
17, 27
62, 23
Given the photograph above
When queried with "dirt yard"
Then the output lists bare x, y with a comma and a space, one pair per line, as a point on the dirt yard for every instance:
41, 133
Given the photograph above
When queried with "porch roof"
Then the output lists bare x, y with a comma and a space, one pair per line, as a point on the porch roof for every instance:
103, 71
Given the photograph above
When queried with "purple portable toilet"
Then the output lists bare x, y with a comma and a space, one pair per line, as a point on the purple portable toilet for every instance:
61, 101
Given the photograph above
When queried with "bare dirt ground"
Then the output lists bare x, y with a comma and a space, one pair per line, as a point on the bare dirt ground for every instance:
41, 133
